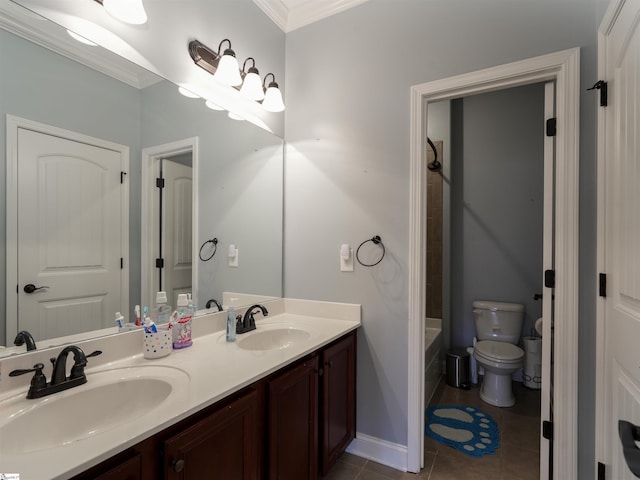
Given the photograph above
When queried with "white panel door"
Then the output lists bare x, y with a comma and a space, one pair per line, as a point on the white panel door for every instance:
69, 235
176, 229
621, 379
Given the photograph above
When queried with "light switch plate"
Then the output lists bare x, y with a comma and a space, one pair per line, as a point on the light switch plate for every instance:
233, 261
346, 264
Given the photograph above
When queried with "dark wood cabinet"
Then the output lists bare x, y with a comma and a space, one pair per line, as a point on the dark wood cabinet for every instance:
223, 446
293, 422
338, 400
124, 466
292, 425
311, 412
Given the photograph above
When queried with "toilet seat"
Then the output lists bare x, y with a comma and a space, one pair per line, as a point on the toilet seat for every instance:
499, 351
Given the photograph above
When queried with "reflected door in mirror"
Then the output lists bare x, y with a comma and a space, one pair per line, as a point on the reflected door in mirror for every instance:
176, 234
70, 217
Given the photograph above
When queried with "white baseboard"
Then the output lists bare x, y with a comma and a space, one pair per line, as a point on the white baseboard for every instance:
387, 453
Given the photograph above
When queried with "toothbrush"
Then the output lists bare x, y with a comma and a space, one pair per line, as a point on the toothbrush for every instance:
137, 315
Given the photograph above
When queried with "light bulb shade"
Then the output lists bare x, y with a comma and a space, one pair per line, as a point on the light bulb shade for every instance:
273, 100
128, 11
228, 72
252, 87
213, 106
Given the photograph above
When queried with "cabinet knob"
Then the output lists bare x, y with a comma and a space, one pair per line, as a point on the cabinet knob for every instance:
178, 465
329, 363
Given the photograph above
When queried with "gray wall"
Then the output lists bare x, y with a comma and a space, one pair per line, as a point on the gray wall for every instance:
497, 192
347, 165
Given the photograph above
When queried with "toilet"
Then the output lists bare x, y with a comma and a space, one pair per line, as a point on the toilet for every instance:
498, 327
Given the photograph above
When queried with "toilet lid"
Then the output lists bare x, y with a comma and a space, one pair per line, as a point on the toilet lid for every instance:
499, 350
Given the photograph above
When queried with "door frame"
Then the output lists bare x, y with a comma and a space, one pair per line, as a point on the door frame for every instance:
149, 224
14, 123
564, 68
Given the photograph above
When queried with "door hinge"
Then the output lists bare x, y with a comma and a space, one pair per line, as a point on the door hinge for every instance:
547, 430
159, 262
551, 127
602, 86
121, 263
122, 174
602, 285
601, 471
550, 278
160, 182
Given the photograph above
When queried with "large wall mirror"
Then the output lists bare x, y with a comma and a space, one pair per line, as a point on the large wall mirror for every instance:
223, 180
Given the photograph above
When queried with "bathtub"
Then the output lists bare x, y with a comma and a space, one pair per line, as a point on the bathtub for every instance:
433, 357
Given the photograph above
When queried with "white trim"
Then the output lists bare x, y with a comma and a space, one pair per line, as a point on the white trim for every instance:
17, 20
13, 124
603, 449
289, 19
150, 157
387, 453
563, 67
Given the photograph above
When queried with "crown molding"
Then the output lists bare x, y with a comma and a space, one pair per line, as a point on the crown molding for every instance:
297, 16
42, 32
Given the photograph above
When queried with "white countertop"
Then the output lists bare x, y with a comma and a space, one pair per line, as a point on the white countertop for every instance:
214, 367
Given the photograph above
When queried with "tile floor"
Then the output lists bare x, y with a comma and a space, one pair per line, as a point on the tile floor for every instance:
516, 459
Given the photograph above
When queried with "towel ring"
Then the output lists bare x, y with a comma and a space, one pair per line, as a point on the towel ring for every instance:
214, 241
376, 240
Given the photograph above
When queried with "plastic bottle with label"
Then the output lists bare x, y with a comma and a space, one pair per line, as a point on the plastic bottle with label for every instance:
182, 329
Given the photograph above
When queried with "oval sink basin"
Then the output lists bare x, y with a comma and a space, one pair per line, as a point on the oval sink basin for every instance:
109, 399
273, 339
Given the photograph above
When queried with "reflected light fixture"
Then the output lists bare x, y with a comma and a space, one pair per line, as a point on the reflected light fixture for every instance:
128, 11
272, 97
235, 116
251, 86
81, 39
187, 93
213, 106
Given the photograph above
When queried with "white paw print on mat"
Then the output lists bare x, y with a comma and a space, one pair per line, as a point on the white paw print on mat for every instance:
467, 429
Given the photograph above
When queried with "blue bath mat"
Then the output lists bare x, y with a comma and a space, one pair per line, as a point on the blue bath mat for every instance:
464, 428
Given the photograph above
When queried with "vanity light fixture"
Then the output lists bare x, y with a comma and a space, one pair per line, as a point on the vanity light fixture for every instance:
272, 97
228, 72
128, 11
251, 85
252, 88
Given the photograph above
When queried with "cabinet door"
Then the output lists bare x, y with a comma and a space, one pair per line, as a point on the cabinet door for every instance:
293, 423
128, 470
338, 400
223, 446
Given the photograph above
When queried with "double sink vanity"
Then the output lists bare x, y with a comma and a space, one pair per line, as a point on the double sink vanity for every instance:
279, 402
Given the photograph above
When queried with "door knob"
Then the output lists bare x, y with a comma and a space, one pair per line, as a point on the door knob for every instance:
629, 435
30, 288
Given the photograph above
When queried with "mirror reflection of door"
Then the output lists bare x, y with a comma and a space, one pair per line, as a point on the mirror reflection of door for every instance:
71, 236
173, 272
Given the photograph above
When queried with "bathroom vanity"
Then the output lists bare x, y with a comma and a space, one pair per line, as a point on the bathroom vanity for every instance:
289, 425
277, 403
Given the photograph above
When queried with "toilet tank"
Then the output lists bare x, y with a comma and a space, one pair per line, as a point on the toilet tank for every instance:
498, 321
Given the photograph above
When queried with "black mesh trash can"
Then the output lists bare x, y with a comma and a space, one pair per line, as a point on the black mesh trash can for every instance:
458, 367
